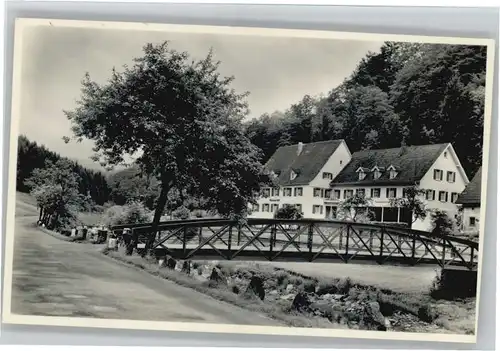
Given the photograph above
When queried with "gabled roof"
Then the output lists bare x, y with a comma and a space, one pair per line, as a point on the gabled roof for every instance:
471, 196
306, 165
412, 163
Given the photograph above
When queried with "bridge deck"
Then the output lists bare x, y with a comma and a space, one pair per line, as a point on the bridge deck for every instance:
310, 241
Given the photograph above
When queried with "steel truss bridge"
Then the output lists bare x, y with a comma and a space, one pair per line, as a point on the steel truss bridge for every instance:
304, 240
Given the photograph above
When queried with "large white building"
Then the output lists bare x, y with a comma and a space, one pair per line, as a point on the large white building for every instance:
317, 177
301, 170
470, 201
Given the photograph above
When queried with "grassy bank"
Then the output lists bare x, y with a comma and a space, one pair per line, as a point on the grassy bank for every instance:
406, 312
61, 236
279, 313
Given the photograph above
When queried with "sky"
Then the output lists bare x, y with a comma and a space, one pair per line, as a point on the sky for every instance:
277, 72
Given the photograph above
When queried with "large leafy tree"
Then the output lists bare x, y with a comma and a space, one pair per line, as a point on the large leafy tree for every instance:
368, 119
55, 188
439, 97
128, 185
31, 156
181, 121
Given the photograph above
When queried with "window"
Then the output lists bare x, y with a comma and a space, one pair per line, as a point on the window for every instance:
274, 207
472, 221
297, 192
445, 154
293, 175
438, 174
336, 194
275, 192
430, 195
317, 209
362, 175
255, 208
299, 207
266, 192
348, 194
340, 161
317, 192
454, 197
360, 192
376, 174
450, 177
327, 175
375, 192
328, 193
265, 208
392, 174
443, 196
391, 193
287, 191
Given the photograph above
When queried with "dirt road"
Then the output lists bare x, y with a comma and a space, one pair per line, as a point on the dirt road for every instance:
56, 278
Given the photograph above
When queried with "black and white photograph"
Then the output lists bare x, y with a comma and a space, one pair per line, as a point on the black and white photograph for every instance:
247, 180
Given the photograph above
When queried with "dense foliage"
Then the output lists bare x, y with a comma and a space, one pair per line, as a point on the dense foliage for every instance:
31, 156
407, 94
55, 188
288, 212
181, 122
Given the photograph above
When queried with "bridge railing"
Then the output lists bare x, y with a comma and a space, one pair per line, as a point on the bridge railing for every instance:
309, 240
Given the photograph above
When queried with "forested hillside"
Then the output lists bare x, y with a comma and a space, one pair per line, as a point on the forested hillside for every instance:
406, 94
32, 156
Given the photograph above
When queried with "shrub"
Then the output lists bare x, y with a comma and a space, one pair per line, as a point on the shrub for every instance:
344, 286
426, 314
131, 213
235, 289
310, 286
198, 213
181, 213
282, 278
442, 224
288, 212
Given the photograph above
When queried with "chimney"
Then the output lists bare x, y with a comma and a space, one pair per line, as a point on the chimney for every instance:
300, 146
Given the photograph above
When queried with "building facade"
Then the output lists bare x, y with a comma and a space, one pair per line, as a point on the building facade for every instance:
384, 175
299, 170
470, 202
318, 177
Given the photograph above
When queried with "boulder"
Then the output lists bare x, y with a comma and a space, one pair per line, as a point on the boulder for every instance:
289, 288
322, 308
287, 297
186, 267
310, 288
373, 317
217, 277
301, 302
256, 288
323, 290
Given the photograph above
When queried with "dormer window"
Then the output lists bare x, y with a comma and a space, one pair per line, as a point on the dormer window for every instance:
362, 173
393, 172
293, 175
377, 172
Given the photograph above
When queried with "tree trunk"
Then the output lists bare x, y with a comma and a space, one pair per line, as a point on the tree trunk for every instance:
44, 218
160, 208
